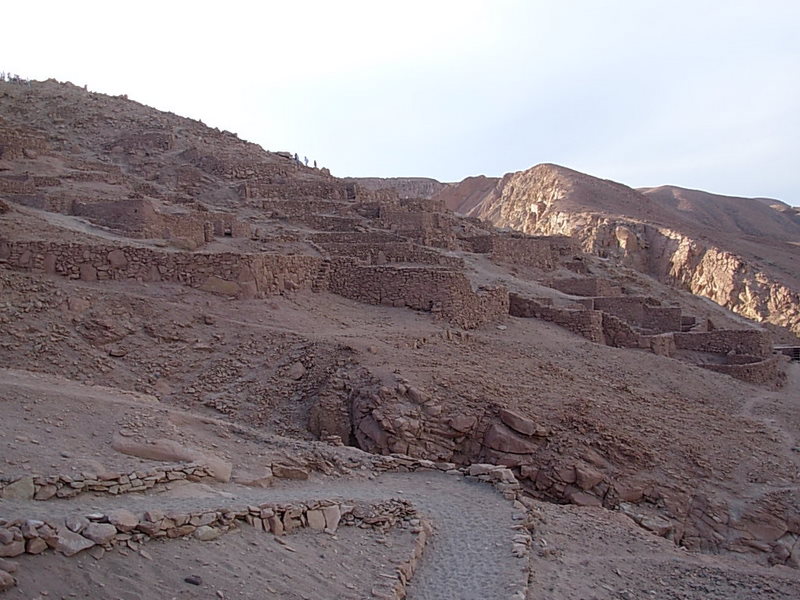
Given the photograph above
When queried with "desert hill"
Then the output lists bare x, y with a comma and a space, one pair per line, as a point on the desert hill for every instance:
205, 345
739, 252
731, 215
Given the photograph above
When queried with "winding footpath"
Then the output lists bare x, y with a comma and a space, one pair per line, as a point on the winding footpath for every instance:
469, 556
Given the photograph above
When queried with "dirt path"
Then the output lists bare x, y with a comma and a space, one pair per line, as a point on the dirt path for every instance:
469, 557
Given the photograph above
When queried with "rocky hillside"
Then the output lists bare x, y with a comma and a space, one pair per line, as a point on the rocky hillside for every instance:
203, 299
739, 252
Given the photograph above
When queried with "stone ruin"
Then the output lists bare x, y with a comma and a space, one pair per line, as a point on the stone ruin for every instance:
364, 244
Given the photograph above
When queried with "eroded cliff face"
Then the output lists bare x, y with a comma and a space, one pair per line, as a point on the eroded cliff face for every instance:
550, 200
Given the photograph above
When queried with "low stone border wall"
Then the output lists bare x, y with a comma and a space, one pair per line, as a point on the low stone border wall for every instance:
75, 534
45, 487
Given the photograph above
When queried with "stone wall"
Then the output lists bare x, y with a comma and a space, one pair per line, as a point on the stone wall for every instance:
284, 188
542, 252
753, 370
396, 220
17, 184
300, 208
41, 487
533, 252
319, 222
662, 319
396, 252
619, 333
627, 308
17, 143
143, 141
586, 323
586, 286
356, 237
752, 342
241, 275
445, 292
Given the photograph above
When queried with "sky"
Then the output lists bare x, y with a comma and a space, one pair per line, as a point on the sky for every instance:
701, 94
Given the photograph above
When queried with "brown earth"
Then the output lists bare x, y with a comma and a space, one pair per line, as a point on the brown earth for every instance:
693, 469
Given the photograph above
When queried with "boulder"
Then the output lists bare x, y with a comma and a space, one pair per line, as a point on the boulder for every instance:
123, 519
258, 477
70, 543
117, 259
463, 423
333, 515
100, 533
517, 422
35, 546
21, 489
9, 566
76, 524
586, 477
477, 469
316, 519
289, 472
11, 549
296, 371
45, 492
206, 533
6, 581
499, 437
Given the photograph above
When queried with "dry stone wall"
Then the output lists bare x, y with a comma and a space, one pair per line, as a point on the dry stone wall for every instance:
18, 143
586, 286
241, 275
541, 252
45, 487
752, 342
586, 323
442, 291
394, 252
301, 208
752, 369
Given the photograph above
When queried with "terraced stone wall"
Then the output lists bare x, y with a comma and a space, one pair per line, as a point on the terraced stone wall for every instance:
534, 252
16, 144
439, 290
241, 275
395, 252
301, 208
752, 342
158, 140
751, 369
399, 220
286, 189
662, 319
356, 237
327, 222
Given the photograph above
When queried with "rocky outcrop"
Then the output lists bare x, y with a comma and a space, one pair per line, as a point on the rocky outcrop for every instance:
614, 221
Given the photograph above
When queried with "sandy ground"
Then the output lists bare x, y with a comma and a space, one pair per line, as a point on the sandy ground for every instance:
241, 564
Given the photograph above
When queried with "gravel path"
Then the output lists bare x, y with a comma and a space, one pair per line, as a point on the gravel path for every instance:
468, 558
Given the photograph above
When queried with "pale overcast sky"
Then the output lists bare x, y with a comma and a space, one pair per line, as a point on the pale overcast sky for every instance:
698, 93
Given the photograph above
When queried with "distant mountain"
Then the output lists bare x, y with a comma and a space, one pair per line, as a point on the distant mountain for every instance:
739, 216
742, 253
